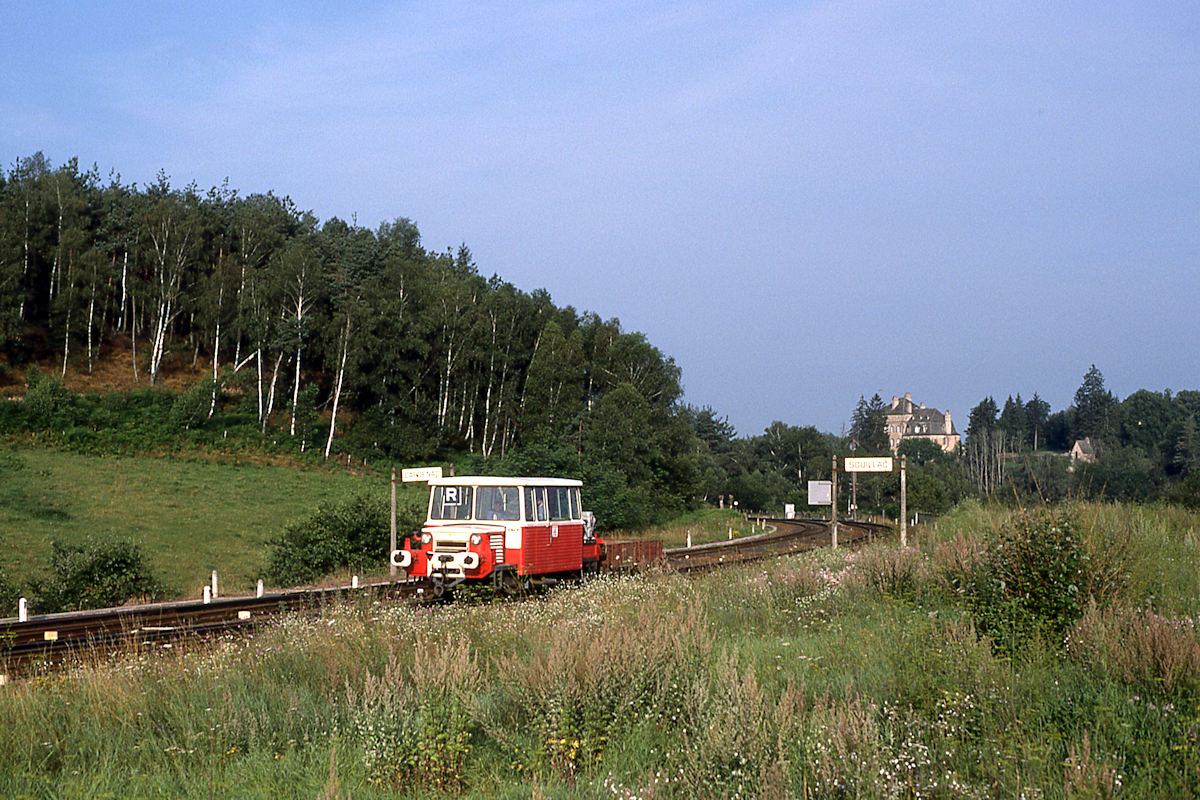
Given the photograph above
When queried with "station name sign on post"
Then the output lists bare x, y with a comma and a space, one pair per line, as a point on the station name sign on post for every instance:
420, 474
867, 464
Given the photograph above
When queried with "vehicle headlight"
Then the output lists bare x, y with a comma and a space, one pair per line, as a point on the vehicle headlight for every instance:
476, 539
426, 538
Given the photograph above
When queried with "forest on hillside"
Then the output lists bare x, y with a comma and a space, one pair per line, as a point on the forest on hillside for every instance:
329, 339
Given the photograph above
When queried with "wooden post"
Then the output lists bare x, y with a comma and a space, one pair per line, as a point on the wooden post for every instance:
392, 541
833, 507
904, 501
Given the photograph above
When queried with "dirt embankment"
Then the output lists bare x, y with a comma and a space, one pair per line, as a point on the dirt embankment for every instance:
112, 369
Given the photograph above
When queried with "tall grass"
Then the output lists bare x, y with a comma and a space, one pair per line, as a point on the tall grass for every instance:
836, 674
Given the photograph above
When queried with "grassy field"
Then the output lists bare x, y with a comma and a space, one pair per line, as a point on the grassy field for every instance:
833, 675
189, 516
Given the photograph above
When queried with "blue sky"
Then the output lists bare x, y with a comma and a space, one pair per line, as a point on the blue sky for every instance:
799, 202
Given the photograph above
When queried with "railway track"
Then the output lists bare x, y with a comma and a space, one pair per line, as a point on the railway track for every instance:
788, 536
49, 639
52, 638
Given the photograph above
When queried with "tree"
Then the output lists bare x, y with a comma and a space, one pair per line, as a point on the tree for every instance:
169, 219
868, 425
1014, 421
983, 418
1095, 409
1037, 414
921, 451
620, 432
986, 447
1144, 417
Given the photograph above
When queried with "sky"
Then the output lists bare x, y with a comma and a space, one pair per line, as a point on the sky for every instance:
801, 203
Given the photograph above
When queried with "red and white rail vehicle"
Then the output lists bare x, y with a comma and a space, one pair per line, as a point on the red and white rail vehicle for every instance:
515, 530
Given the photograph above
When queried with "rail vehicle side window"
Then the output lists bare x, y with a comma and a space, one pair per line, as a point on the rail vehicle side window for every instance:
560, 503
535, 504
576, 506
450, 502
498, 502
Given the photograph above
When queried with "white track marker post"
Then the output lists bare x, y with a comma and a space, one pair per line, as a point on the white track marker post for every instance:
354, 582
259, 589
23, 610
689, 539
833, 507
207, 594
392, 541
214, 585
904, 501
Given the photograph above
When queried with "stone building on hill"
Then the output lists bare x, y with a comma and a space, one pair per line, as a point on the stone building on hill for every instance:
905, 420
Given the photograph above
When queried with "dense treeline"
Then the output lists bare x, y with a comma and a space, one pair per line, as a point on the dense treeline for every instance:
1137, 449
328, 338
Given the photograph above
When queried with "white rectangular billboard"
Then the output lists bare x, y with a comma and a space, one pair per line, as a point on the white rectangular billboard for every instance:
820, 493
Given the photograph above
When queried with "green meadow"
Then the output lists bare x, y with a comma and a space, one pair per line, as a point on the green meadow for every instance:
188, 516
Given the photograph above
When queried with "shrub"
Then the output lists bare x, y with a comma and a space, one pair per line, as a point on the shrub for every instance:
190, 409
1187, 492
45, 400
98, 574
1036, 576
352, 533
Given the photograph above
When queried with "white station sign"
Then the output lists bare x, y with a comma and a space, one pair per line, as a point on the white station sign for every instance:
820, 493
420, 474
867, 464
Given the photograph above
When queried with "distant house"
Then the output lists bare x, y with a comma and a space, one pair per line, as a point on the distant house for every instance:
904, 420
1083, 450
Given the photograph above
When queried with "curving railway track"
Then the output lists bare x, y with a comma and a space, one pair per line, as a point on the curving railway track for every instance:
787, 536
49, 639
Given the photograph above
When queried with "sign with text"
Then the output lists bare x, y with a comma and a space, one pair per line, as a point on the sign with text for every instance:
820, 493
867, 464
420, 474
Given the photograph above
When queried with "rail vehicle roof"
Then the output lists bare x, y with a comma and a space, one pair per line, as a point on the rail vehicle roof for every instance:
494, 480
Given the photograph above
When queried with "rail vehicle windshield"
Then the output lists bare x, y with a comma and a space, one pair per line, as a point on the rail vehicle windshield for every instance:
498, 502
551, 503
450, 502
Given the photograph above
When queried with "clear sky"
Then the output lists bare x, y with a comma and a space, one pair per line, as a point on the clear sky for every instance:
800, 202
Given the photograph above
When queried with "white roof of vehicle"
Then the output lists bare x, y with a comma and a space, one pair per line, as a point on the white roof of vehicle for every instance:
495, 480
